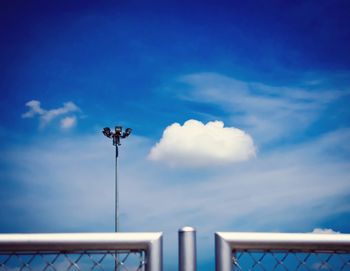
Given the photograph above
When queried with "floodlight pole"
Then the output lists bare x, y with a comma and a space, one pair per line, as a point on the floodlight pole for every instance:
116, 190
116, 136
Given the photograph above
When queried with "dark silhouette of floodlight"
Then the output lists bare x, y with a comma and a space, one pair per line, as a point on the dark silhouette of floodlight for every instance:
107, 132
127, 132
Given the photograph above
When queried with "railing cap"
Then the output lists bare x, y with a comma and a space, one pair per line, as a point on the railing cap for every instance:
187, 229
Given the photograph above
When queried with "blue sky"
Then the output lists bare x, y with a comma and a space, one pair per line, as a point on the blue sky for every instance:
276, 71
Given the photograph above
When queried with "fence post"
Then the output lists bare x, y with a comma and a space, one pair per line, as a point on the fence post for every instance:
154, 255
223, 254
187, 249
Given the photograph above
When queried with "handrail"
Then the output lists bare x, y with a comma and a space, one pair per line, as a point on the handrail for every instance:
297, 241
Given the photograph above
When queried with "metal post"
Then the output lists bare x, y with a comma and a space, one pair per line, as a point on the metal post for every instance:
154, 255
223, 254
116, 136
187, 249
116, 204
116, 191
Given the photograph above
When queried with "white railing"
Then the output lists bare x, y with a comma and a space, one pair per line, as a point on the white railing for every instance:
250, 251
28, 249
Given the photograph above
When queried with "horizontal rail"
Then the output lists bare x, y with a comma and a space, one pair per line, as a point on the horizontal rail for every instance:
70, 242
286, 241
76, 241
228, 242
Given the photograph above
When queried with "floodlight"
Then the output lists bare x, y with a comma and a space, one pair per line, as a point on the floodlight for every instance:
127, 132
107, 132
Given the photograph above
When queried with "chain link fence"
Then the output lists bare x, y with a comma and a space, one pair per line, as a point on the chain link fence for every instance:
281, 251
143, 251
94, 251
74, 260
290, 260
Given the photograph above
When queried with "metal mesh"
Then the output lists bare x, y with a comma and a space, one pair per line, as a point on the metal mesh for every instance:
79, 260
290, 260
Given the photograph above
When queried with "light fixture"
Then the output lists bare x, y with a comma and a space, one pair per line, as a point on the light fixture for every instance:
107, 132
127, 132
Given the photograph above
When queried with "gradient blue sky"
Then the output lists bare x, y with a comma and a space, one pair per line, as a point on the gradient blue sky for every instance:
278, 70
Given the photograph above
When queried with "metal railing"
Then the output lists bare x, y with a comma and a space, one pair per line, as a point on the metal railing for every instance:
143, 251
81, 251
281, 251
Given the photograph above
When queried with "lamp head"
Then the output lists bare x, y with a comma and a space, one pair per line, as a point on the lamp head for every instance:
127, 132
107, 132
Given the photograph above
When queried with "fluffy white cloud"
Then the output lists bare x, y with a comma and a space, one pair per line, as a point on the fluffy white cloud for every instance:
46, 116
196, 144
68, 122
324, 231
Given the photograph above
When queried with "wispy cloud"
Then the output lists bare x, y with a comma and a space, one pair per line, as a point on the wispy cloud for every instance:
34, 109
195, 144
46, 116
267, 112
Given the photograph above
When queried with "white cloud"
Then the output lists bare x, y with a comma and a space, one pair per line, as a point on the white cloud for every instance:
324, 231
196, 144
68, 122
53, 113
34, 109
46, 116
